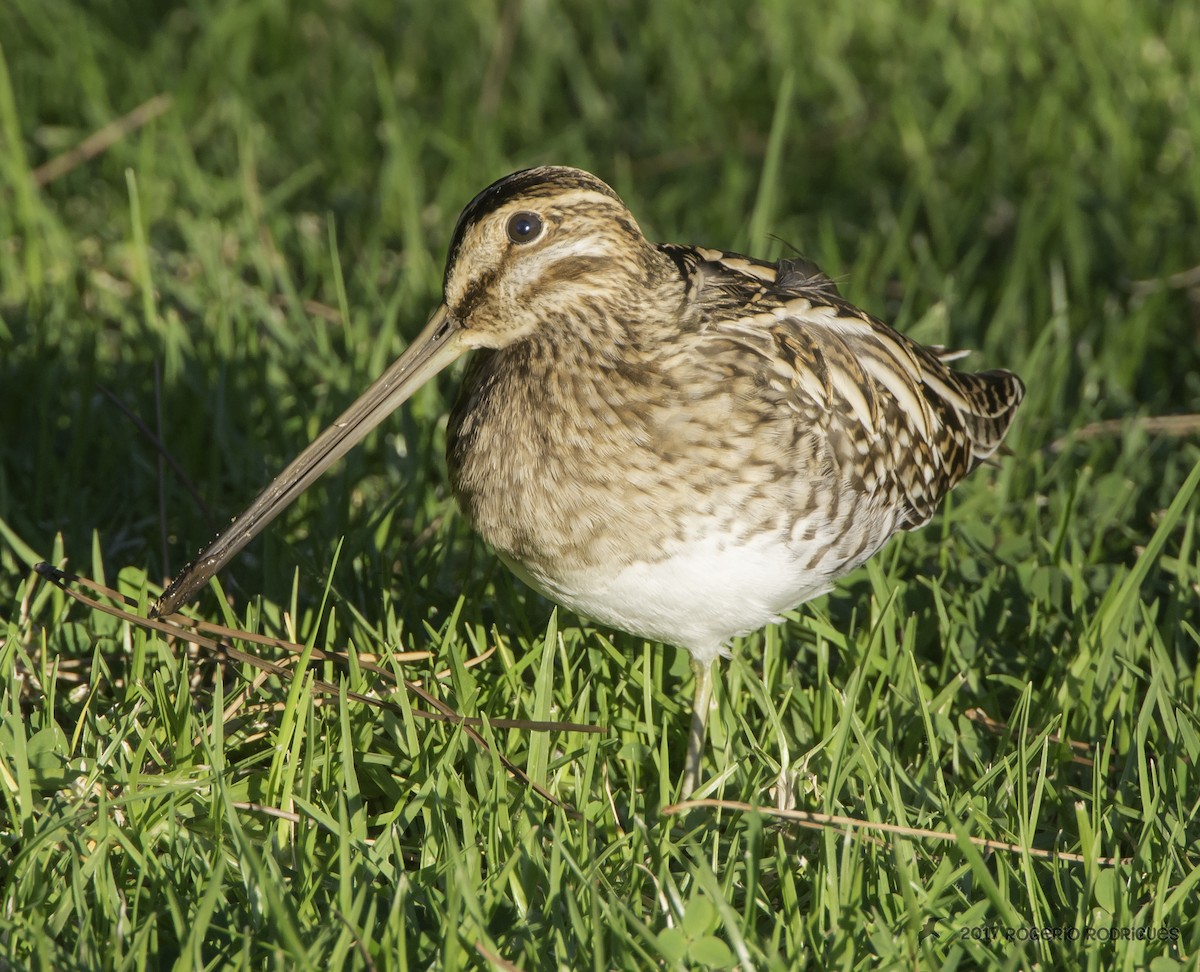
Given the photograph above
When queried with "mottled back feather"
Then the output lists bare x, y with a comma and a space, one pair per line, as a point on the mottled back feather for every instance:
910, 426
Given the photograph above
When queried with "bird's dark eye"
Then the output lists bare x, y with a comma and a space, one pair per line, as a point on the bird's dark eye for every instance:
524, 227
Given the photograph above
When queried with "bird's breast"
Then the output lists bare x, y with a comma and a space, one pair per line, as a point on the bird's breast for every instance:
681, 515
558, 468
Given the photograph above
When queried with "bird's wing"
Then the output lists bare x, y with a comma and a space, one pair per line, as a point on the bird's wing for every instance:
896, 420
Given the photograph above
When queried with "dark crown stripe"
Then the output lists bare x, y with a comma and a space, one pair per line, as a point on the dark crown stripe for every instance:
538, 183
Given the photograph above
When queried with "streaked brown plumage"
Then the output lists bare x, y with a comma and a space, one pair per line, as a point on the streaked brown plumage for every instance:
677, 441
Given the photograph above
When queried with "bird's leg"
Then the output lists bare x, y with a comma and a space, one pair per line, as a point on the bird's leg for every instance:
701, 698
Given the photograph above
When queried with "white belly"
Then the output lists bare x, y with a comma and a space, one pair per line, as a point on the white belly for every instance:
699, 596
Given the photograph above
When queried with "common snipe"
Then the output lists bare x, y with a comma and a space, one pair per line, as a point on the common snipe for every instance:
675, 441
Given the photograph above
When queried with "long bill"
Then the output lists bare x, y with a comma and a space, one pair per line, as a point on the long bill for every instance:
433, 349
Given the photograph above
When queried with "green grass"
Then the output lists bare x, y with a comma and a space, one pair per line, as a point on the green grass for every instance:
999, 177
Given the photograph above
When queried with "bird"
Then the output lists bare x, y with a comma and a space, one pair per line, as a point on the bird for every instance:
679, 442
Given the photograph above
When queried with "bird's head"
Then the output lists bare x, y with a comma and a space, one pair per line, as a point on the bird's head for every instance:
542, 245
